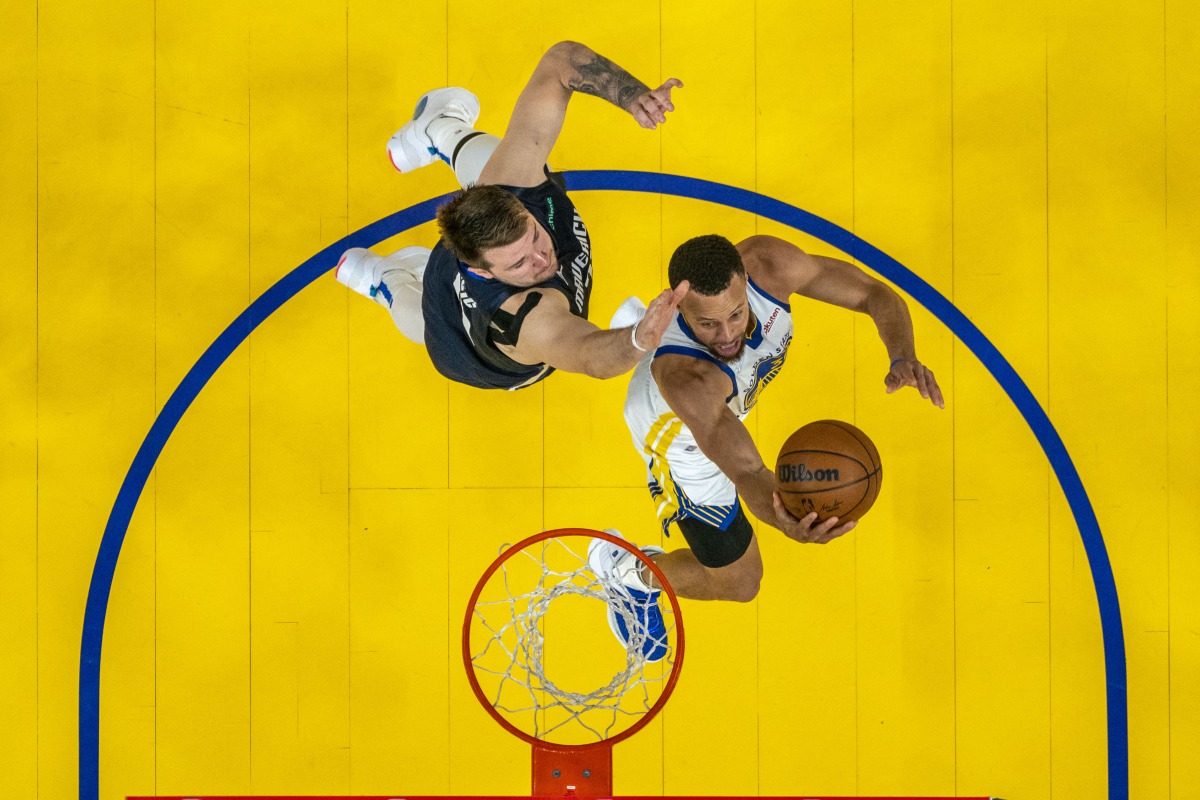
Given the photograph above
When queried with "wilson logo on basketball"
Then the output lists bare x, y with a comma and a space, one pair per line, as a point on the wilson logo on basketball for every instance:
791, 473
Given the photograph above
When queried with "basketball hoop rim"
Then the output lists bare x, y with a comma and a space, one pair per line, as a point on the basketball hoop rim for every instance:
671, 679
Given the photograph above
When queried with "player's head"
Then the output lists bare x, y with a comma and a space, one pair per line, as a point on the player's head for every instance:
716, 307
488, 229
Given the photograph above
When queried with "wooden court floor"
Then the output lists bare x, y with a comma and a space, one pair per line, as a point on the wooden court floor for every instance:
284, 613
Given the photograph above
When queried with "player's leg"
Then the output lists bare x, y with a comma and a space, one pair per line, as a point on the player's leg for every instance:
722, 561
442, 128
393, 281
718, 564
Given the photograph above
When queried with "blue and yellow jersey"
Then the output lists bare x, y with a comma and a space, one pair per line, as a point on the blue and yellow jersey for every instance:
683, 482
766, 348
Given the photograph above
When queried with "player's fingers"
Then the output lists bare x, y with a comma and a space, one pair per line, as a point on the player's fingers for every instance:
806, 528
662, 306
648, 105
657, 110
805, 532
663, 95
676, 296
922, 383
641, 116
826, 526
661, 310
839, 531
781, 510
936, 395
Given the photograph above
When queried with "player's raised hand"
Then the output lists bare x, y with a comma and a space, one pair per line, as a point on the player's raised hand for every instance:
658, 316
911, 372
650, 108
807, 529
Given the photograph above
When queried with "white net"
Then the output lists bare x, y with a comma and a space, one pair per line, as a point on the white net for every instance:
541, 638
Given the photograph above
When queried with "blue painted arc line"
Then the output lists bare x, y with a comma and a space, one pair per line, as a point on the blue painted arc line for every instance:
608, 180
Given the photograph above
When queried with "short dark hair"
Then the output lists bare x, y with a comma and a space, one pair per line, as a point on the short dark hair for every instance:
480, 218
708, 263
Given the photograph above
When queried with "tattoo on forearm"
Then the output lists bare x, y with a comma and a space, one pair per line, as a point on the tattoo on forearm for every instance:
600, 77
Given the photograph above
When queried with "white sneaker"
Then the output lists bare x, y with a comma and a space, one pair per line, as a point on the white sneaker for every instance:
362, 270
411, 147
633, 612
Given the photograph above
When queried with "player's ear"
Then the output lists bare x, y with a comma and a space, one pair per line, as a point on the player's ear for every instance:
479, 267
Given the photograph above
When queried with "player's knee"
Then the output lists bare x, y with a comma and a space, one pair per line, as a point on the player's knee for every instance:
740, 581
744, 590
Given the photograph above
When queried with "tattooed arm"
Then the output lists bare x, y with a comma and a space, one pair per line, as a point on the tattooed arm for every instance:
592, 73
537, 119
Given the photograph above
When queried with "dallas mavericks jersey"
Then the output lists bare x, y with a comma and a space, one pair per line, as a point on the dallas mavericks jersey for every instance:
683, 482
459, 306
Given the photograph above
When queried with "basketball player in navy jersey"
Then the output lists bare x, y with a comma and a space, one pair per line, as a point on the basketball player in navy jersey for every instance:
686, 404
502, 299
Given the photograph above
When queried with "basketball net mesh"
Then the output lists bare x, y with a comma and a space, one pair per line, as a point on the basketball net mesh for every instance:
511, 648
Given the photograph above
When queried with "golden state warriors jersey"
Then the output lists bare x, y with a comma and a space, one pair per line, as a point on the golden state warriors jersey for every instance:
681, 479
760, 361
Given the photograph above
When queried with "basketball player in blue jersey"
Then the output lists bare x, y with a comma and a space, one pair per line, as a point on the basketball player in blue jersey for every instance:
502, 299
686, 403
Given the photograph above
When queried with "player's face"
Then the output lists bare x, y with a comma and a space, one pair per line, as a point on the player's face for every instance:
526, 262
720, 321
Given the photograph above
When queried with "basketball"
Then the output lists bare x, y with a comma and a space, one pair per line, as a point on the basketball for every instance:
830, 467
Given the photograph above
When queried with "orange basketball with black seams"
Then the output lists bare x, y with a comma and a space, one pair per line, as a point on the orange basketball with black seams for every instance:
830, 467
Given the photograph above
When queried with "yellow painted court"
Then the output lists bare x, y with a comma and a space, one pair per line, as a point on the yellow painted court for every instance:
286, 606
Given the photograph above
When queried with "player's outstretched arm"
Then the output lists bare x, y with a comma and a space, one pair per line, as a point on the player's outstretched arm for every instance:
696, 391
785, 268
552, 335
538, 116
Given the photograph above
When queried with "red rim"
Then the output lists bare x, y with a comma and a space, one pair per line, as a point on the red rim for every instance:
675, 667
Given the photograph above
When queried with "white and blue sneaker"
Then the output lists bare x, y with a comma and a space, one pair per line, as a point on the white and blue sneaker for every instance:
411, 147
363, 271
630, 598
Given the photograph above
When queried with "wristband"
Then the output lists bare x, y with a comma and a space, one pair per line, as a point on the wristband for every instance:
899, 360
633, 338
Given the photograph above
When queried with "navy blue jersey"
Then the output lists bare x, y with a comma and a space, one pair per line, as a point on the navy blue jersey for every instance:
459, 306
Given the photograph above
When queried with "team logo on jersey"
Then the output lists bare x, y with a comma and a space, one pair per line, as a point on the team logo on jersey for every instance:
765, 371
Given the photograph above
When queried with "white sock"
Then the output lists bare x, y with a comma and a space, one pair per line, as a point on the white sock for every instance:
406, 304
467, 148
471, 157
403, 276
